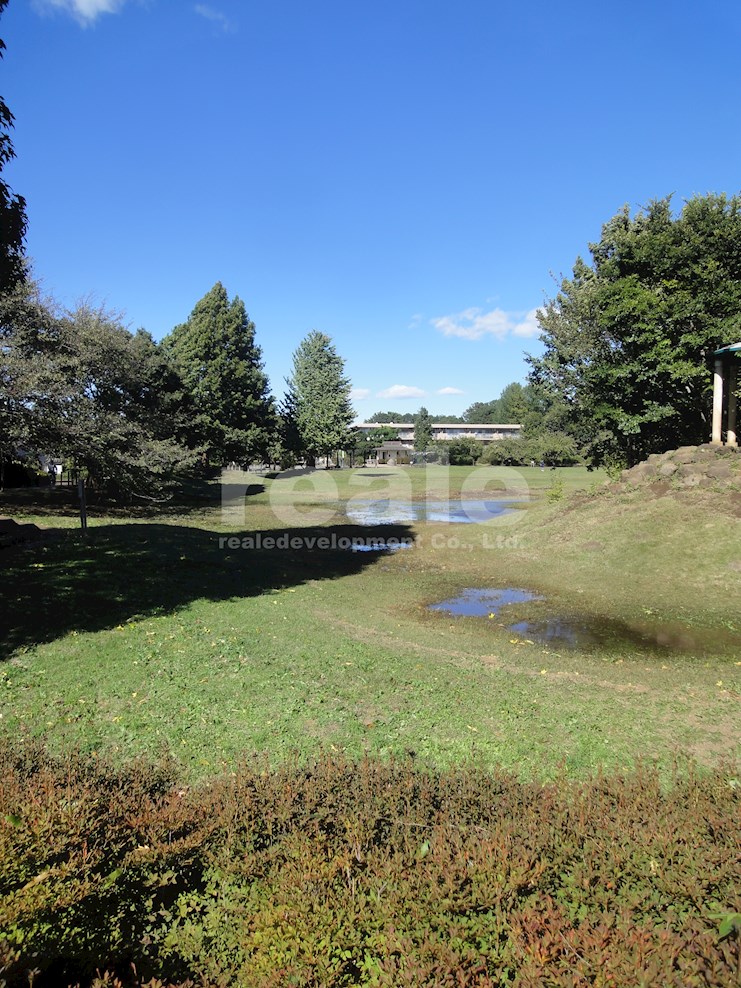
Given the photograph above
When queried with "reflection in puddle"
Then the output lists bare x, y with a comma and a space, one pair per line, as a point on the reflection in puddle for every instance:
583, 631
558, 632
377, 512
380, 545
482, 603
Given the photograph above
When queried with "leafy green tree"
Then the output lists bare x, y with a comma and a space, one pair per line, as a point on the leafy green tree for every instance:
384, 417
26, 344
514, 402
221, 368
422, 430
317, 403
628, 337
511, 406
13, 221
464, 452
365, 444
107, 411
485, 412
79, 386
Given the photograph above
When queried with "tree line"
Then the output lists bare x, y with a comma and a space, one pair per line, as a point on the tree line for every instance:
132, 416
628, 339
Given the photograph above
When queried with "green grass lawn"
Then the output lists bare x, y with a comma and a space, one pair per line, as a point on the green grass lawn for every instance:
150, 636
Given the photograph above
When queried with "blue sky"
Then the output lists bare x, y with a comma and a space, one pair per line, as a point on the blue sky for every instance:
407, 176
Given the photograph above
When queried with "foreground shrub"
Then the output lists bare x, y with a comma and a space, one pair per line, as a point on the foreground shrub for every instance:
386, 874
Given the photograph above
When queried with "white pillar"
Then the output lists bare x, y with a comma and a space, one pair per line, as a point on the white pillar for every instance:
717, 401
731, 439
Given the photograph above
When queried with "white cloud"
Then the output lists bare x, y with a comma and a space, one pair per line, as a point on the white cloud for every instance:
415, 321
85, 11
357, 394
215, 16
529, 325
473, 323
401, 391
450, 391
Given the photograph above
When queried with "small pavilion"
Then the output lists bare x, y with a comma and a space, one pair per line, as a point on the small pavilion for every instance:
392, 453
725, 382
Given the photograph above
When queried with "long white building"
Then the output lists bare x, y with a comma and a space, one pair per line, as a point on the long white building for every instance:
484, 432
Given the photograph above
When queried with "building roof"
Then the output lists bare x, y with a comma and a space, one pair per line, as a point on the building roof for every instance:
731, 348
444, 425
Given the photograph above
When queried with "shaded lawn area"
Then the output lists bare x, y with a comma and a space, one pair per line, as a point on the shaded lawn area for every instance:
123, 572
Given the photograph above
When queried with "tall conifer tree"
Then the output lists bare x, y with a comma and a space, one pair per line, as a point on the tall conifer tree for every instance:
317, 403
221, 368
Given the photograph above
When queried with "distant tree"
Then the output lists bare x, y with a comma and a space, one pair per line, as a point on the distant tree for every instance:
317, 403
483, 412
511, 406
514, 403
553, 448
464, 452
13, 220
629, 336
221, 368
365, 444
384, 417
422, 430
407, 418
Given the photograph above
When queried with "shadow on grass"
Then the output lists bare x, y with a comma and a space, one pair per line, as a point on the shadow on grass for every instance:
124, 571
193, 498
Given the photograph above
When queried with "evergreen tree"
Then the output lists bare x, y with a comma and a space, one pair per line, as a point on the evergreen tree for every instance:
317, 403
221, 368
422, 430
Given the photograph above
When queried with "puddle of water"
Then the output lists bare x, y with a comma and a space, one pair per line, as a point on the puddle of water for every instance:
453, 512
482, 603
558, 632
582, 631
378, 545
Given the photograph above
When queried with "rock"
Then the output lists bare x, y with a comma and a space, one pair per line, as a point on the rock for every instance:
685, 454
660, 488
667, 469
719, 471
691, 479
642, 471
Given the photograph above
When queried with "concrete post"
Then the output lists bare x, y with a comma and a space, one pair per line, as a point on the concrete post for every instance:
731, 439
717, 401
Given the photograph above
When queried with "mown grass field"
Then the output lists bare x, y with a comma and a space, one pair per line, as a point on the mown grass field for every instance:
147, 636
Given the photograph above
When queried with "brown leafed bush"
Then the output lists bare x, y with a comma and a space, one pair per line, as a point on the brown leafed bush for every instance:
364, 873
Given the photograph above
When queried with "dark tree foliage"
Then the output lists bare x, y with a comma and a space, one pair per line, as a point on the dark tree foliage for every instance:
317, 405
221, 368
511, 406
78, 386
13, 221
629, 336
407, 418
422, 430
